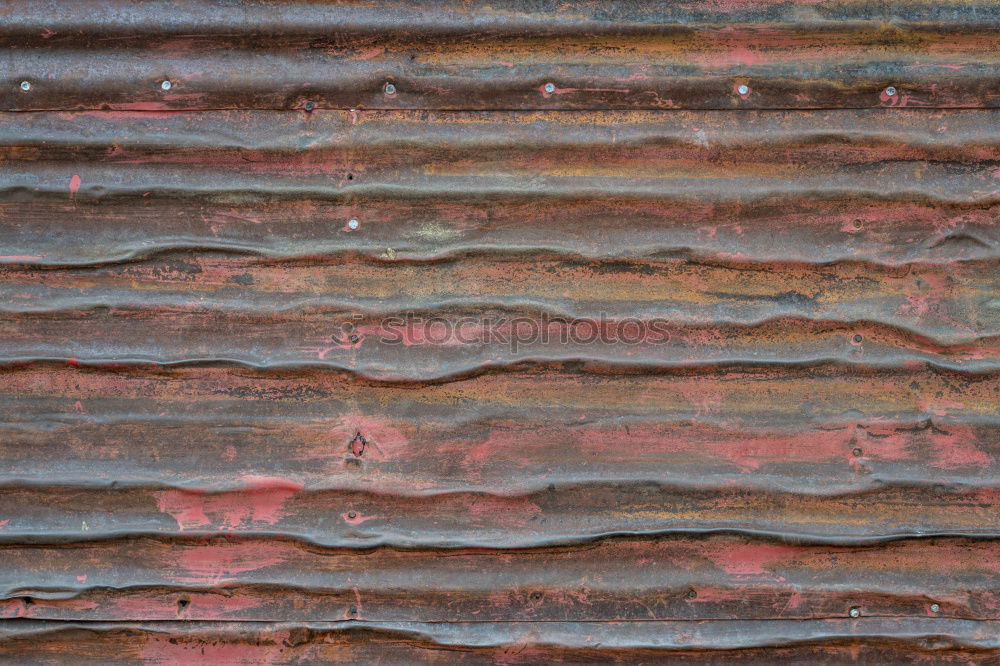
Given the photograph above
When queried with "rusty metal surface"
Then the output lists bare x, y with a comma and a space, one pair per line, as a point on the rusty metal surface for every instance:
95, 54
875, 640
720, 380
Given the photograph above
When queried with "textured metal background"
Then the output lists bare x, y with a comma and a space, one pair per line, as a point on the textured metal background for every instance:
196, 465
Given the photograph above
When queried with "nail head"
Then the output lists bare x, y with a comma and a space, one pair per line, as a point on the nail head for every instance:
743, 90
855, 612
25, 86
352, 514
390, 89
166, 85
353, 224
935, 608
890, 91
550, 87
308, 106
857, 453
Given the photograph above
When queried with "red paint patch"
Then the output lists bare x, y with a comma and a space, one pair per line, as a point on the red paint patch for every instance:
262, 502
260, 482
750, 559
215, 564
955, 449
74, 186
185, 507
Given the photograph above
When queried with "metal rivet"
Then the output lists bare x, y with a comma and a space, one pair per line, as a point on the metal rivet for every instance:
25, 86
352, 514
308, 106
166, 85
935, 608
855, 612
743, 89
550, 88
858, 338
890, 92
353, 224
390, 89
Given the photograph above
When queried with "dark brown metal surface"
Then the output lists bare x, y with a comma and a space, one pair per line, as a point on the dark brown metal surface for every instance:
720, 381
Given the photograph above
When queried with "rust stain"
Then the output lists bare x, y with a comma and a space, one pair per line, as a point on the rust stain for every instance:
352, 332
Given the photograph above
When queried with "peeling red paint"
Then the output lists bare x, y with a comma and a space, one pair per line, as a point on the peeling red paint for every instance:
751, 560
261, 502
206, 564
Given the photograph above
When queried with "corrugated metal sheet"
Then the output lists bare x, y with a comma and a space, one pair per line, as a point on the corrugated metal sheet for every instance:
725, 276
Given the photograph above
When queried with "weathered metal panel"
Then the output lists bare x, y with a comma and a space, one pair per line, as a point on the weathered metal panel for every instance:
96, 54
719, 375
871, 640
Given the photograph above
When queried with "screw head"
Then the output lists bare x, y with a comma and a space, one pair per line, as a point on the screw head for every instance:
390, 89
743, 89
935, 608
166, 84
353, 224
890, 92
25, 86
855, 612
550, 88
